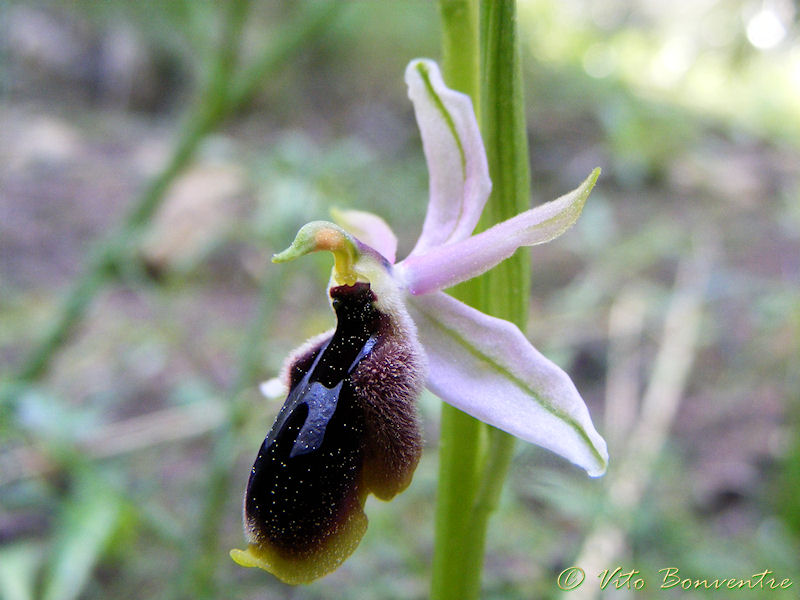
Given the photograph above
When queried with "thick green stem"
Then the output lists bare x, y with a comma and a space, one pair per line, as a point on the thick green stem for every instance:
506, 288
505, 137
474, 458
459, 547
461, 48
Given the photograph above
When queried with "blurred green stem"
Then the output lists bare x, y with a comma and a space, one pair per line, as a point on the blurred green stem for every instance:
202, 555
474, 458
224, 94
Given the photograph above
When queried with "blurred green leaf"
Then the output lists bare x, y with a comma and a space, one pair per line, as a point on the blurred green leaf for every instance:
88, 521
18, 565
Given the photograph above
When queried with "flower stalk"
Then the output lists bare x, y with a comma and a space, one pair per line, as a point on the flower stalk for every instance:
474, 457
462, 441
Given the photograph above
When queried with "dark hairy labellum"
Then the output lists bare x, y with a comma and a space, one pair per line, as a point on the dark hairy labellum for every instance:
348, 428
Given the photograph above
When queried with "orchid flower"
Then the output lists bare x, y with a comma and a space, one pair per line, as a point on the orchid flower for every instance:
348, 427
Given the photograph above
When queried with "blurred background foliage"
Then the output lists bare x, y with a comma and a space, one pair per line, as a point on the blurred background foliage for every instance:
674, 302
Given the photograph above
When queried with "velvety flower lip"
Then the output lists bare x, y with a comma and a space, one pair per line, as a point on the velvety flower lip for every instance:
348, 429
396, 329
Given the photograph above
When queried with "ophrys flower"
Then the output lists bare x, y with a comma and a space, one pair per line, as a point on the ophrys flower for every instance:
348, 427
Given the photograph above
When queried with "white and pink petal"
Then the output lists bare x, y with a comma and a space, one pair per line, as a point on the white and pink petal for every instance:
486, 367
459, 182
444, 266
